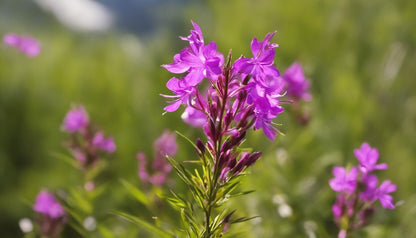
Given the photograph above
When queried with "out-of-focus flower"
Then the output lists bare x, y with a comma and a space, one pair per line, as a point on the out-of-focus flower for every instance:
76, 119
357, 191
52, 216
105, 144
382, 194
368, 157
164, 146
24, 44
48, 205
296, 83
86, 140
344, 181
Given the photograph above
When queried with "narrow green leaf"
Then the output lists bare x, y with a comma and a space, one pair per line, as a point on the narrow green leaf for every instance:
145, 224
105, 232
136, 193
186, 138
66, 158
243, 219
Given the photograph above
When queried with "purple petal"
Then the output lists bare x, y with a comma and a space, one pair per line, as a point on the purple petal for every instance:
387, 201
11, 40
173, 106
255, 47
267, 57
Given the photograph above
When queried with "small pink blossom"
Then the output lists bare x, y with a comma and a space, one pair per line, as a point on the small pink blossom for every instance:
76, 119
24, 44
105, 144
48, 205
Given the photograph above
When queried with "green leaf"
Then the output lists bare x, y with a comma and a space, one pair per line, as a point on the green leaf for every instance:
80, 201
243, 219
186, 138
105, 232
136, 193
152, 228
66, 158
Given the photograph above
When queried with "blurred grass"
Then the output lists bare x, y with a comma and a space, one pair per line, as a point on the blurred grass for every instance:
359, 55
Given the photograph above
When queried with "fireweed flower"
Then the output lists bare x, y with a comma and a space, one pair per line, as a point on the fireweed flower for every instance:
344, 181
52, 216
368, 157
358, 191
24, 44
76, 119
263, 58
86, 143
105, 144
164, 146
198, 60
296, 83
251, 87
194, 117
183, 93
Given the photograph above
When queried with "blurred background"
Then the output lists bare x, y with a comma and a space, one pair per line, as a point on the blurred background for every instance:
359, 55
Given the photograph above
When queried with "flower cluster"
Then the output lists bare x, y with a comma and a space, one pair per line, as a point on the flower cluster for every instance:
52, 216
24, 44
86, 143
164, 146
357, 190
249, 90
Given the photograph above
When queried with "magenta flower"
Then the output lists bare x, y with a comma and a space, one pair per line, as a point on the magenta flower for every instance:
265, 98
354, 209
76, 119
194, 117
344, 181
198, 60
261, 64
24, 44
296, 83
368, 157
184, 93
370, 181
382, 194
105, 144
48, 205
164, 146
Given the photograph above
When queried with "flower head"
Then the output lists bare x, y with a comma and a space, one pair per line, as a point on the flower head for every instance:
24, 44
368, 157
198, 60
261, 64
164, 146
105, 144
76, 119
344, 181
183, 91
382, 194
296, 83
48, 205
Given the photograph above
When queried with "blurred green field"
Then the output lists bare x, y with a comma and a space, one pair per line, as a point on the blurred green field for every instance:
359, 55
